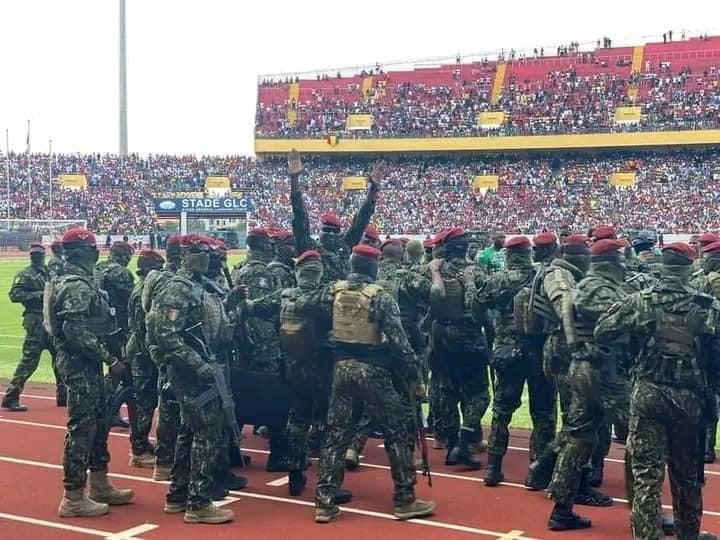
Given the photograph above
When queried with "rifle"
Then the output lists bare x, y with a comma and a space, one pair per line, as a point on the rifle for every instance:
227, 275
125, 391
422, 444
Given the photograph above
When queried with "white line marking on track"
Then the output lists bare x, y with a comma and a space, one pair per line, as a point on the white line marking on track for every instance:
33, 396
261, 496
129, 534
132, 532
282, 481
226, 501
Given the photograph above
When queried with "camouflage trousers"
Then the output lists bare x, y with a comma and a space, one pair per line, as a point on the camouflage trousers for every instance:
665, 425
168, 423
199, 441
86, 440
36, 341
145, 381
309, 408
556, 363
470, 389
360, 386
509, 383
593, 398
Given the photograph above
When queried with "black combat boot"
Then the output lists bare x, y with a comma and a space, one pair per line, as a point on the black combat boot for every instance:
233, 482
461, 454
343, 496
277, 460
564, 519
540, 471
494, 474
587, 496
451, 443
710, 442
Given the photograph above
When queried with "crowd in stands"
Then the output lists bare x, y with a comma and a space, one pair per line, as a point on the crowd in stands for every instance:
675, 192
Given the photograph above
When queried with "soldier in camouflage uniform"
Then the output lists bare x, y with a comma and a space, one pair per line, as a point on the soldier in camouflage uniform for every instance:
177, 324
334, 246
553, 303
596, 390
27, 289
79, 318
114, 277
144, 370
56, 262
709, 283
168, 422
515, 357
370, 349
675, 329
460, 348
282, 264
371, 237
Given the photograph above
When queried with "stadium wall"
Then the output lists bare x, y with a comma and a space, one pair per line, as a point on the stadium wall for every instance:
493, 144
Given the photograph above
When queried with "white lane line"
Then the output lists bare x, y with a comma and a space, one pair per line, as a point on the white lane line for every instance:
132, 532
33, 396
261, 496
10, 347
226, 501
128, 534
282, 481
11, 336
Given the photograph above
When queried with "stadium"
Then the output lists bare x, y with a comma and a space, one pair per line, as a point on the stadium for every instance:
558, 139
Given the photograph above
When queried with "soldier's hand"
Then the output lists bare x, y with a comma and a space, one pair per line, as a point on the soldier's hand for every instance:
237, 296
295, 166
420, 391
378, 173
206, 373
117, 369
436, 264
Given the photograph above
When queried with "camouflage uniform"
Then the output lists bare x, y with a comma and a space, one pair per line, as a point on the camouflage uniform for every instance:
363, 380
283, 274
55, 266
178, 307
27, 289
667, 322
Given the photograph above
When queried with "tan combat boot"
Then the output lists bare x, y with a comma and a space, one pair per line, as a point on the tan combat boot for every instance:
415, 509
162, 473
352, 459
101, 490
210, 514
75, 503
143, 461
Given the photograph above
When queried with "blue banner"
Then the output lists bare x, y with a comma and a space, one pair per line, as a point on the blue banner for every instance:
214, 206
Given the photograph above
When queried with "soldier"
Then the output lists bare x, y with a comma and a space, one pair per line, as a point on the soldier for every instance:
334, 246
554, 304
460, 352
371, 237
594, 386
516, 357
282, 265
56, 262
371, 348
414, 255
675, 329
698, 242
428, 246
603, 232
177, 324
168, 422
258, 342
492, 258
27, 289
114, 277
709, 283
79, 318
144, 370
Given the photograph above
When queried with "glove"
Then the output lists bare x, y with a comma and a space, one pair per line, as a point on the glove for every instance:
205, 373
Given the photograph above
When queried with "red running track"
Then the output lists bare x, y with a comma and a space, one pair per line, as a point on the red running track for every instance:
31, 485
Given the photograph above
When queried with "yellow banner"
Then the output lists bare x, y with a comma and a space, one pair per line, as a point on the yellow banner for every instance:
490, 119
354, 182
627, 115
217, 182
622, 179
486, 182
358, 121
73, 181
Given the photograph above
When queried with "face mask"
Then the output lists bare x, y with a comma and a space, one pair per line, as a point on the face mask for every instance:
286, 251
214, 266
309, 275
95, 255
331, 241
37, 259
198, 262
582, 262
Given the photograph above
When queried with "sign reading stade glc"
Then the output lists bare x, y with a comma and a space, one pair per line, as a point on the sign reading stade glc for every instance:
206, 206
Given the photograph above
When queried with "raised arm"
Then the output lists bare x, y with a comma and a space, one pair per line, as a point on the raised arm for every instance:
301, 219
362, 218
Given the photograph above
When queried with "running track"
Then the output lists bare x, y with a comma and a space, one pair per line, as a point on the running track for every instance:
31, 473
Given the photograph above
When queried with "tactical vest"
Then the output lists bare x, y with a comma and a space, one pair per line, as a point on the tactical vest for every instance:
525, 322
298, 334
450, 307
101, 321
584, 330
353, 318
154, 283
541, 315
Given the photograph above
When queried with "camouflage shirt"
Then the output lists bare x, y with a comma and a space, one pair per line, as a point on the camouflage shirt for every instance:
55, 266
117, 281
283, 274
136, 316
27, 288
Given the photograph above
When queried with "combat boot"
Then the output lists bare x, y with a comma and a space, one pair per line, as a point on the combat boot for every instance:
101, 490
352, 459
325, 514
11, 402
461, 454
415, 509
175, 507
706, 536
119, 422
597, 474
209, 514
450, 444
540, 471
75, 503
296, 482
564, 519
587, 496
143, 461
494, 474
162, 473
233, 482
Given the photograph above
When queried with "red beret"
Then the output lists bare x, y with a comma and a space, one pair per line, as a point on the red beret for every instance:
150, 254
455, 232
122, 244
428, 243
391, 242
712, 248
372, 232
220, 245
174, 240
517, 242
364, 250
281, 235
79, 236
196, 240
439, 237
37, 248
404, 240
576, 240
544, 239
681, 248
604, 232
707, 238
330, 220
259, 231
309, 255
607, 246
